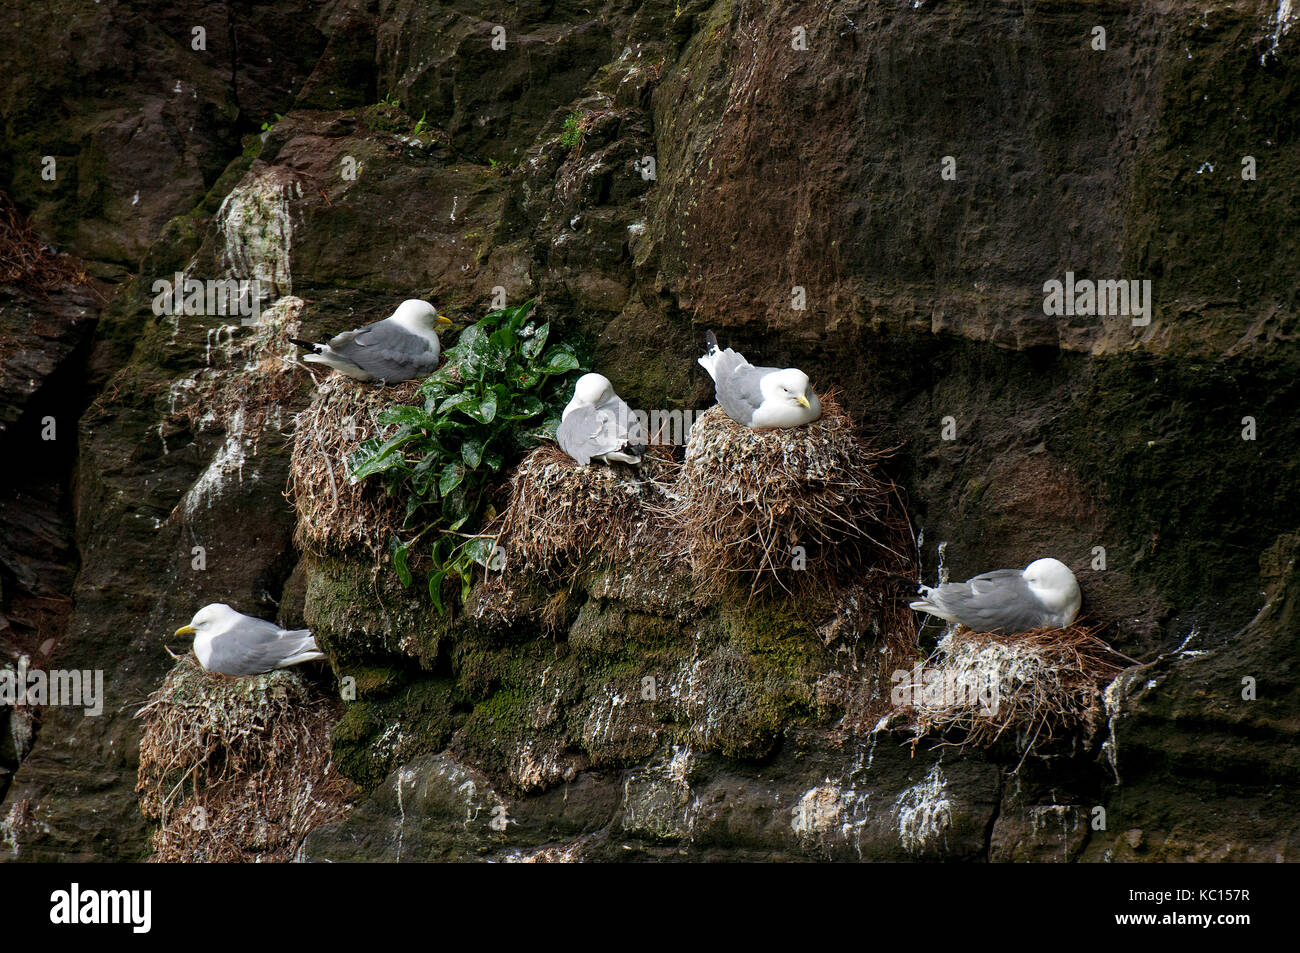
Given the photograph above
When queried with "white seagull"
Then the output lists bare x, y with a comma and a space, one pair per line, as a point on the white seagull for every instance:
598, 425
231, 643
759, 396
402, 347
1043, 595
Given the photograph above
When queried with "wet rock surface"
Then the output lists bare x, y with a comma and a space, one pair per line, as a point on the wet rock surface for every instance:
403, 156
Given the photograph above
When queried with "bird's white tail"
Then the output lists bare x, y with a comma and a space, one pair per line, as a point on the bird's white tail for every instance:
709, 359
932, 605
304, 651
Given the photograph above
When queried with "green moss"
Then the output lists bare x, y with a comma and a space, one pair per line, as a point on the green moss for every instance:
375, 680
375, 736
776, 634
599, 634
385, 117
360, 616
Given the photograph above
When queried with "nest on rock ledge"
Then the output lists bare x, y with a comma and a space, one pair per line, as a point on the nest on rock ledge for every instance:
560, 512
237, 769
789, 509
334, 514
1042, 684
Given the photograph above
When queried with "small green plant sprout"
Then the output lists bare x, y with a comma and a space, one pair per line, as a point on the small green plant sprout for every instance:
266, 126
420, 124
391, 100
498, 395
571, 132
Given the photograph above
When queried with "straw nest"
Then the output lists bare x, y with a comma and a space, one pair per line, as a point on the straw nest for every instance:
785, 508
237, 769
1040, 685
27, 261
560, 512
334, 514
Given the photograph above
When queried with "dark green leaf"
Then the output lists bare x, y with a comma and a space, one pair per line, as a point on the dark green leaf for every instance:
452, 475
408, 416
457, 401
481, 548
435, 589
533, 345
398, 549
486, 410
383, 458
560, 360
525, 406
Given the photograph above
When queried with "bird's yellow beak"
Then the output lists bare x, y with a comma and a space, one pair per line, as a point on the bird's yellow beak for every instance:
442, 320
186, 630
804, 400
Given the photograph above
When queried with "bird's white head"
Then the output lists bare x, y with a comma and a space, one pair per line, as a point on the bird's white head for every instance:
208, 618
419, 315
1054, 585
592, 390
789, 386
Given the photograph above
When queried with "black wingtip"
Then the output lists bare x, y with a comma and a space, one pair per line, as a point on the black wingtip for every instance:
305, 345
711, 340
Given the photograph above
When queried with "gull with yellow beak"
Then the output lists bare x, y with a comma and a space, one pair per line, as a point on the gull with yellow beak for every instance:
402, 347
759, 396
231, 643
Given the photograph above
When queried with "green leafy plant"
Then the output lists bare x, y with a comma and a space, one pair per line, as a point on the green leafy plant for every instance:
499, 394
571, 131
419, 124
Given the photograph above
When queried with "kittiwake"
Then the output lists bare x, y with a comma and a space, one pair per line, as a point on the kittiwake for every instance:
598, 425
231, 643
1044, 595
402, 347
759, 396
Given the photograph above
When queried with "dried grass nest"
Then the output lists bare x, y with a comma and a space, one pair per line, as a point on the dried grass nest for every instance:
237, 769
560, 512
745, 499
334, 514
1041, 685
27, 261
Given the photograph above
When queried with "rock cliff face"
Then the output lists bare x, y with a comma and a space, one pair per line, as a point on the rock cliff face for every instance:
650, 170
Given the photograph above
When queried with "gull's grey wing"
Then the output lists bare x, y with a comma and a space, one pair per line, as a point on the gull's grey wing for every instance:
997, 601
253, 646
588, 432
736, 382
627, 426
388, 351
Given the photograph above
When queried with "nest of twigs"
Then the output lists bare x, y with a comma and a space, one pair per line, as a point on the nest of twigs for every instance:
1039, 685
334, 514
784, 508
27, 261
560, 513
237, 769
